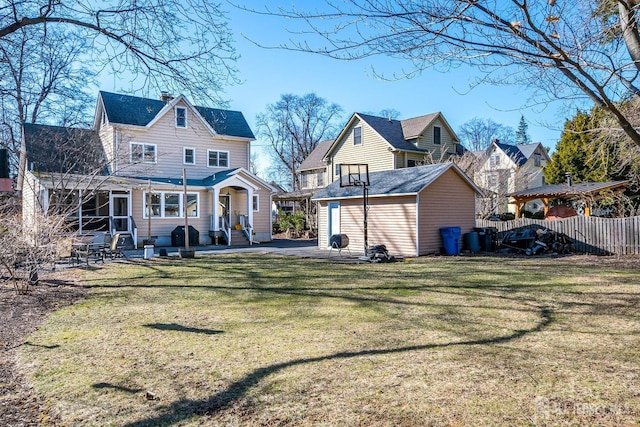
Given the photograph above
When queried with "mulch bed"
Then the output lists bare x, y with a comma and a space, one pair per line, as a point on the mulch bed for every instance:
20, 315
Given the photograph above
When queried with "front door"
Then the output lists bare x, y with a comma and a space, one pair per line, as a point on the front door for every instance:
333, 220
120, 212
224, 205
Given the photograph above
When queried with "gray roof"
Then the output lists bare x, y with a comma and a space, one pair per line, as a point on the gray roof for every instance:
413, 128
314, 160
62, 149
513, 152
137, 111
406, 181
391, 131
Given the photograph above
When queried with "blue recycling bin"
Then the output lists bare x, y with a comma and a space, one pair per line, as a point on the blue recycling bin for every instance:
451, 240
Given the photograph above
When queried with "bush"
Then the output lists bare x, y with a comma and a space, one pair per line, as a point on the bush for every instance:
508, 216
538, 215
295, 221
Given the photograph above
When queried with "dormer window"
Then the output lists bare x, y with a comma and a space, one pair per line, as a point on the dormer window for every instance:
181, 117
357, 136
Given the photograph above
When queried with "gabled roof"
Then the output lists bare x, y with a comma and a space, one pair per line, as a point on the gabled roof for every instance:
520, 153
396, 182
137, 111
396, 133
314, 160
62, 149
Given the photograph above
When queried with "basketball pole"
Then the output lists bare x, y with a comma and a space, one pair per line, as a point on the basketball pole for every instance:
365, 201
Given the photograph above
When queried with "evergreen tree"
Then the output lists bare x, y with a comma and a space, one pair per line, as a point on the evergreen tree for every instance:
522, 134
582, 152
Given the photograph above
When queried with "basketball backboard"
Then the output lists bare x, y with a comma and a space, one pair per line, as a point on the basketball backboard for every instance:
354, 175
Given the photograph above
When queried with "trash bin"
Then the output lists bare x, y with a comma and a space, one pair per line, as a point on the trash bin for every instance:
487, 237
472, 241
177, 236
148, 251
451, 240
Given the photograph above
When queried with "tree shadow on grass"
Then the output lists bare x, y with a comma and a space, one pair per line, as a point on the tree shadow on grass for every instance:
180, 328
187, 408
116, 387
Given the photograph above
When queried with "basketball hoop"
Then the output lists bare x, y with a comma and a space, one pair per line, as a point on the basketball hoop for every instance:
354, 175
357, 175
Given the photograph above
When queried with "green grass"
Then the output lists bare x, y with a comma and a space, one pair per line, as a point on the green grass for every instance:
265, 340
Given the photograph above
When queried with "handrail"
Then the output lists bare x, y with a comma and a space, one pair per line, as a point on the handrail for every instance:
247, 229
134, 229
226, 229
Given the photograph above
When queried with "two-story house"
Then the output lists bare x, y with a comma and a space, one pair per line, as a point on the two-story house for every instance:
506, 168
125, 175
387, 144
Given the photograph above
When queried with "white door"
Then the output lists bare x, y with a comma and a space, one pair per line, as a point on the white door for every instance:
333, 220
120, 212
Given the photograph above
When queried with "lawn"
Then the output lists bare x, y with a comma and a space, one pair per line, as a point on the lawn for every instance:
268, 340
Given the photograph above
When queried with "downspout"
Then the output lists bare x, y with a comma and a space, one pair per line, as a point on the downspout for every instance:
115, 151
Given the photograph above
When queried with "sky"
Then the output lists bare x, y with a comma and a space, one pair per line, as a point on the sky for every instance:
266, 74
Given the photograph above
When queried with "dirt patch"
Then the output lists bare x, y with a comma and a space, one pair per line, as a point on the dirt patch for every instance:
20, 315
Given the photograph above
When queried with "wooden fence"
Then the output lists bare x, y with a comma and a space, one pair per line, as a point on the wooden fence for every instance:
602, 236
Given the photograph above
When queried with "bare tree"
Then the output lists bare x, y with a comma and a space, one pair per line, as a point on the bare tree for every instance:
175, 45
478, 133
43, 80
566, 49
294, 126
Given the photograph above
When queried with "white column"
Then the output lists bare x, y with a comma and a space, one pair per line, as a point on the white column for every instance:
216, 207
250, 205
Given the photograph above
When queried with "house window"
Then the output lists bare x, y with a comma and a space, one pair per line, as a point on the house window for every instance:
494, 161
436, 135
181, 117
170, 205
337, 169
256, 203
411, 163
189, 156
143, 153
218, 159
304, 180
537, 159
320, 179
357, 136
492, 181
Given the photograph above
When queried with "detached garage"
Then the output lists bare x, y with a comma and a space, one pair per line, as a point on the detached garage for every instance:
407, 208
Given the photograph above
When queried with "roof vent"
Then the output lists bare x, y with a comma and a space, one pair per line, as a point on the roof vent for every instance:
165, 96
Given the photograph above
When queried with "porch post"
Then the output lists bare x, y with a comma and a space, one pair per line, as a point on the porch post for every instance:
250, 205
216, 207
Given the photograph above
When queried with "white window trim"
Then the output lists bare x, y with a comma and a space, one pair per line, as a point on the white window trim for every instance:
184, 155
256, 205
218, 151
143, 144
162, 209
186, 122
354, 136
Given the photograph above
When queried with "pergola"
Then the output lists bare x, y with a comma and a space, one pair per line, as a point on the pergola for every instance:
587, 192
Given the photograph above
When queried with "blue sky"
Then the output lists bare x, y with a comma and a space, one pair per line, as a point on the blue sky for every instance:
266, 74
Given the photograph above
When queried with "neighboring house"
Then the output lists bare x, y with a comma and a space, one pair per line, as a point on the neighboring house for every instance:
406, 209
125, 174
508, 168
312, 173
6, 183
387, 144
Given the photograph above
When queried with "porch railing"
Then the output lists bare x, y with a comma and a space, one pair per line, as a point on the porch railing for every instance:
226, 229
247, 229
